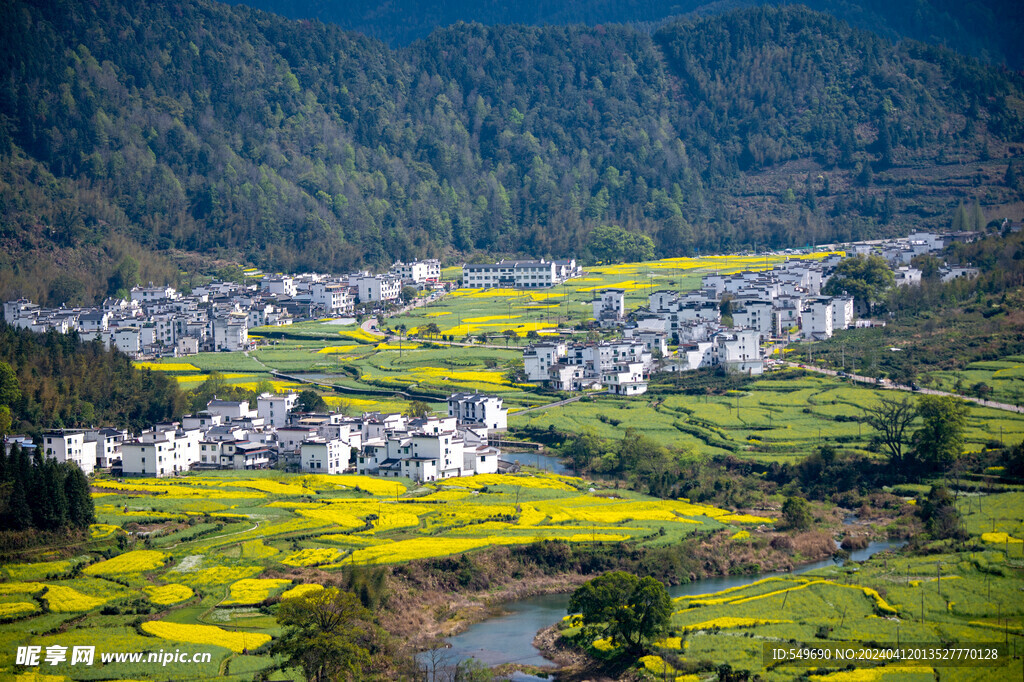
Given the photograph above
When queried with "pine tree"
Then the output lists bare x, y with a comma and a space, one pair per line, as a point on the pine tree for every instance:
81, 511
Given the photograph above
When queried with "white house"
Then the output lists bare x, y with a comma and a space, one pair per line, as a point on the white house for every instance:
418, 272
842, 312
539, 357
816, 318
323, 456
610, 307
231, 409
332, 297
274, 407
378, 288
160, 452
475, 408
279, 285
108, 445
66, 445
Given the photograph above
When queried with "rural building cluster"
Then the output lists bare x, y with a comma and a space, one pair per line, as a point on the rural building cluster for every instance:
161, 321
232, 435
767, 308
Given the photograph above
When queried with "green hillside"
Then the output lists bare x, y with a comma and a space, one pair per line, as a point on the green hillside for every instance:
205, 132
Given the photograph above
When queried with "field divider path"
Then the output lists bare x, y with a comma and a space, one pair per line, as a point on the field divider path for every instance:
225, 535
888, 385
558, 403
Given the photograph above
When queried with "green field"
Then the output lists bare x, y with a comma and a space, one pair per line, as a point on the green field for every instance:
769, 419
968, 594
200, 582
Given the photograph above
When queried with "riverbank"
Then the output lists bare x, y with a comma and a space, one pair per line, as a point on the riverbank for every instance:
442, 598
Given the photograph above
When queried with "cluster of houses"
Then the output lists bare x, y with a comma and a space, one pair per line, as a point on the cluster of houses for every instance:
232, 435
766, 308
161, 321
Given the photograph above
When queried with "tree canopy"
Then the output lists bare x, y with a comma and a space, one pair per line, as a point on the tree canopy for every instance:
940, 439
143, 139
866, 278
622, 607
328, 634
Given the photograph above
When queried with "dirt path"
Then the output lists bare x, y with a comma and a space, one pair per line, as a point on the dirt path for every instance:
885, 384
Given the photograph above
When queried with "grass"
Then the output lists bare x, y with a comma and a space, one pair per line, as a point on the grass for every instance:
888, 598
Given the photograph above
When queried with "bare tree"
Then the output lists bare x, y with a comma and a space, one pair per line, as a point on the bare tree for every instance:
892, 418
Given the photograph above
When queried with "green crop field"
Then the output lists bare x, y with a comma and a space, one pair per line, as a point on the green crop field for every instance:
777, 420
970, 595
213, 538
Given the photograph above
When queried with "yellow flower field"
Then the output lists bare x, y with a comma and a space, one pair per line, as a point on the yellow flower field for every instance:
311, 557
255, 549
253, 590
301, 591
21, 588
217, 575
206, 634
18, 608
167, 366
727, 622
168, 594
131, 562
64, 599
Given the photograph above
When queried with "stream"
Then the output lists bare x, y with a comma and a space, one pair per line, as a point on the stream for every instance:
508, 638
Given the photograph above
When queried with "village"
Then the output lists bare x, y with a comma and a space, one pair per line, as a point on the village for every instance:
737, 322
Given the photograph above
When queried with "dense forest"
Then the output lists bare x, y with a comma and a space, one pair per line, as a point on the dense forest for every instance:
38, 493
55, 380
988, 29
178, 135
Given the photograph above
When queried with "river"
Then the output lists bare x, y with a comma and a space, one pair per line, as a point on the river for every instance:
508, 638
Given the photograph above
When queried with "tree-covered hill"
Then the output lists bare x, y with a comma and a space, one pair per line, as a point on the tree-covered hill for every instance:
171, 135
988, 29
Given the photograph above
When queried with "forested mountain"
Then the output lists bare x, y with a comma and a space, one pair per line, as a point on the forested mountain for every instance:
987, 29
172, 134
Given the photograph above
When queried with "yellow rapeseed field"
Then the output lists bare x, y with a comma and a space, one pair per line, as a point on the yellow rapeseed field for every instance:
301, 591
206, 634
168, 594
15, 609
311, 557
253, 590
64, 599
130, 562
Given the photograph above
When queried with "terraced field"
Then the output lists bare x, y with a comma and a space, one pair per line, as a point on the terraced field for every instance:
962, 595
222, 547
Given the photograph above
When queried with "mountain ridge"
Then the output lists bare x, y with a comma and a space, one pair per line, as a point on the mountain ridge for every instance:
203, 133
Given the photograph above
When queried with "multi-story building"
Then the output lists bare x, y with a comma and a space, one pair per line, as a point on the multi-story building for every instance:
610, 307
334, 298
816, 318
163, 451
324, 456
418, 272
275, 407
378, 288
66, 445
478, 409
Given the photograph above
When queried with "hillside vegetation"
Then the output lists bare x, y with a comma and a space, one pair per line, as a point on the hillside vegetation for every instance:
987, 29
140, 131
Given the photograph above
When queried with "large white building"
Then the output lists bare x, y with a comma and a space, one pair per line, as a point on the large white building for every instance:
70, 446
478, 409
275, 407
418, 272
163, 451
378, 288
521, 274
334, 298
816, 318
324, 456
610, 307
